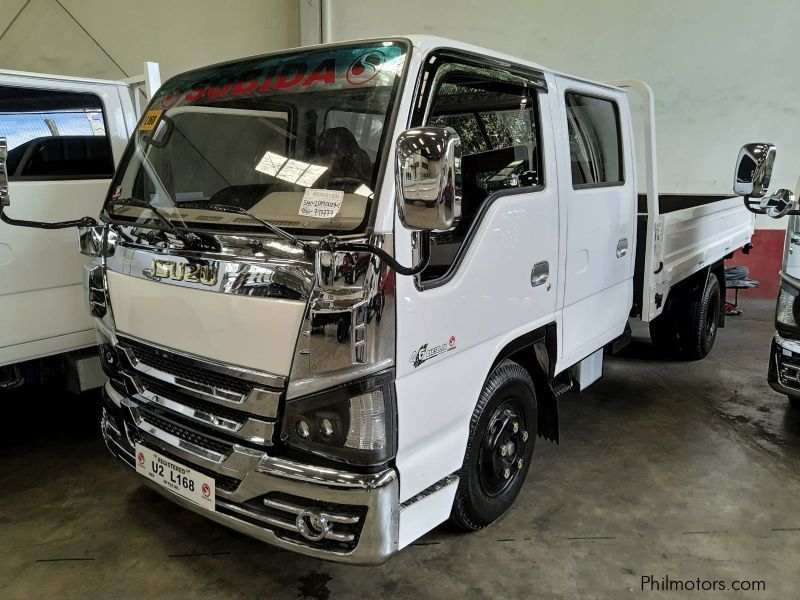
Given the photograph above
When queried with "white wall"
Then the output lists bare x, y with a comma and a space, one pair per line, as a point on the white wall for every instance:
725, 72
179, 34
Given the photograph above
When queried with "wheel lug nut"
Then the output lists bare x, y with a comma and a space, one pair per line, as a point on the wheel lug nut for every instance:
515, 427
519, 465
507, 473
502, 450
524, 436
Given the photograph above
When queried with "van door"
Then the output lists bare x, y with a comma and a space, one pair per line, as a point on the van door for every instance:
597, 185
63, 136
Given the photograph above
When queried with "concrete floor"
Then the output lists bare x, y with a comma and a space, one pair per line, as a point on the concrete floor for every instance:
686, 470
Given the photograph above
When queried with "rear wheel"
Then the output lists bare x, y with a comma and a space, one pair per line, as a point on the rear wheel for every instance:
688, 326
702, 320
500, 448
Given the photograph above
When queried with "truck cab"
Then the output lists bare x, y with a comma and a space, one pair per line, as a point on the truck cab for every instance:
64, 138
340, 289
784, 363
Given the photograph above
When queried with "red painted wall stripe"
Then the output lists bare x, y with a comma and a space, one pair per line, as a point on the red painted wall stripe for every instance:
764, 262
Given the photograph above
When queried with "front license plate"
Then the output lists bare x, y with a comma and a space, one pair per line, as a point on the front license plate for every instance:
176, 477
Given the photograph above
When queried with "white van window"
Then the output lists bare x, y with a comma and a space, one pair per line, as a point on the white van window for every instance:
594, 141
54, 135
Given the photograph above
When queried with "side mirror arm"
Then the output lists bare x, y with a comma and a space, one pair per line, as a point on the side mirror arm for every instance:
332, 244
82, 222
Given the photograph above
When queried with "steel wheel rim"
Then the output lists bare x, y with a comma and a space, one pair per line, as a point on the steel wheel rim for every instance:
503, 447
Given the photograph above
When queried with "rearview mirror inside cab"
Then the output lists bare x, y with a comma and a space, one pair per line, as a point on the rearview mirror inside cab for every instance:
429, 178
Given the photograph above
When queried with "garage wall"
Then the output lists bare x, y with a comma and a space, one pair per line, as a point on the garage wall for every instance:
110, 39
724, 72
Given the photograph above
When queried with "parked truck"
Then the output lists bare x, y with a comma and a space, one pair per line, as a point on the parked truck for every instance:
340, 289
784, 361
65, 135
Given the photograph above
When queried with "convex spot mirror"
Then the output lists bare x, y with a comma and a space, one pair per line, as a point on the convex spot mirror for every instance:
753, 170
429, 178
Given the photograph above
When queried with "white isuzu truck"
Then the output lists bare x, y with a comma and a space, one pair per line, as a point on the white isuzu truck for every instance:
64, 138
340, 289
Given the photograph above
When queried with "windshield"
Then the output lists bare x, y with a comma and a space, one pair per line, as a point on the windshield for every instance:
296, 140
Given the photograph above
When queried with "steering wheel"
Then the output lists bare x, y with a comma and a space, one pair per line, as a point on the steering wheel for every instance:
345, 181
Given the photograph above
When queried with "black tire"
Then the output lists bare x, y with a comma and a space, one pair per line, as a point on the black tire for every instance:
702, 319
794, 402
687, 328
484, 491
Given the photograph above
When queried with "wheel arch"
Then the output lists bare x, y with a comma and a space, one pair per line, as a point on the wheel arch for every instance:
536, 351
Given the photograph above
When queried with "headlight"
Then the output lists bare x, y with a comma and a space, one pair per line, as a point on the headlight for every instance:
784, 313
353, 423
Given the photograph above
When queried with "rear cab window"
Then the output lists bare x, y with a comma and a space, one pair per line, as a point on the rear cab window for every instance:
595, 141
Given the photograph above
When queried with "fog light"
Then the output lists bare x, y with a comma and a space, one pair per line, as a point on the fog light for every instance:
312, 525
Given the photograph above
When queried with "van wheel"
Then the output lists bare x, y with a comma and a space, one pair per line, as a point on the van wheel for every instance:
702, 320
794, 402
502, 437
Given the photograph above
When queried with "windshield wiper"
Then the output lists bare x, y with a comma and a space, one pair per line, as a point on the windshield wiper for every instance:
228, 208
182, 233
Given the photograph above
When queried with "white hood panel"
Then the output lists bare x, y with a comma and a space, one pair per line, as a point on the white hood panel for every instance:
254, 332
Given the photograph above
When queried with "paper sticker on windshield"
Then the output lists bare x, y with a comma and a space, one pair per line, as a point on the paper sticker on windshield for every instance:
150, 120
321, 204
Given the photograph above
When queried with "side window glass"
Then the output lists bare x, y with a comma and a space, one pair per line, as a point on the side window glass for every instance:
496, 115
54, 135
594, 141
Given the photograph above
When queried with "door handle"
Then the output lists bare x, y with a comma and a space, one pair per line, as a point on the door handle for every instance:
540, 273
622, 247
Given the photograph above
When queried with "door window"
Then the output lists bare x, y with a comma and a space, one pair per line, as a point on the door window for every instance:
54, 135
496, 115
595, 149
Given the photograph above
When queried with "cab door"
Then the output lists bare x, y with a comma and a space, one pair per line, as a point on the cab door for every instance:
596, 183
63, 137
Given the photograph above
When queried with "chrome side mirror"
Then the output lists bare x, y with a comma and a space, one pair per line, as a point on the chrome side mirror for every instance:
753, 170
5, 199
778, 204
429, 178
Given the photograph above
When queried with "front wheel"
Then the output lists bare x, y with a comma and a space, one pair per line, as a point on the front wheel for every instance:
499, 450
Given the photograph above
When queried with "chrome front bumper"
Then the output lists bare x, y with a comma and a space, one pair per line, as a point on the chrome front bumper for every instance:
270, 496
784, 366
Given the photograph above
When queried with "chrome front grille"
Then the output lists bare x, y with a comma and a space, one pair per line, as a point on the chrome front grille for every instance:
221, 482
188, 432
183, 368
210, 410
